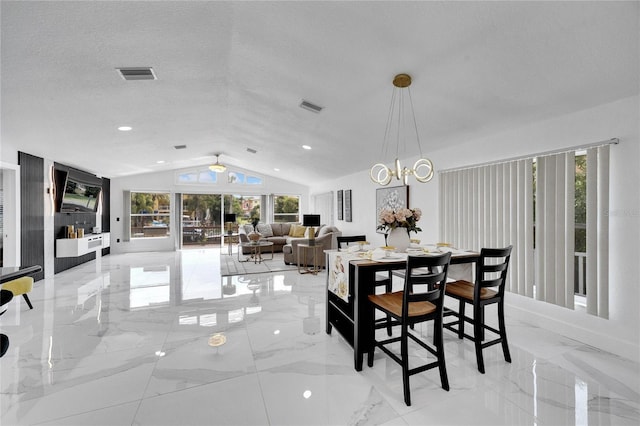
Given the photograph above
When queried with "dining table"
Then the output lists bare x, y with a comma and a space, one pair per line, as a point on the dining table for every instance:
351, 278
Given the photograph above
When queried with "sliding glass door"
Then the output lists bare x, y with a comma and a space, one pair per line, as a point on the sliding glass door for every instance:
201, 219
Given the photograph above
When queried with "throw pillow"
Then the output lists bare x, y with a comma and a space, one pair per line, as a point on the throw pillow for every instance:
297, 231
265, 229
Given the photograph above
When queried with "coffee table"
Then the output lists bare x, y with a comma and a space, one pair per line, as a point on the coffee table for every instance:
256, 251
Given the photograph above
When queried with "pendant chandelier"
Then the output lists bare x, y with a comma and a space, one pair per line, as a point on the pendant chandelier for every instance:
422, 169
217, 167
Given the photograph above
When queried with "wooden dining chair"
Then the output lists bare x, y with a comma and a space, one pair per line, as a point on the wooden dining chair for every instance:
491, 275
422, 299
345, 240
382, 280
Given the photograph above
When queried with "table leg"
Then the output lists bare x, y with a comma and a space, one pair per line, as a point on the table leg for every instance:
258, 254
364, 327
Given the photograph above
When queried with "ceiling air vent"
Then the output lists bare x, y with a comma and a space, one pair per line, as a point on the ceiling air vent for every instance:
251, 150
179, 146
311, 107
138, 73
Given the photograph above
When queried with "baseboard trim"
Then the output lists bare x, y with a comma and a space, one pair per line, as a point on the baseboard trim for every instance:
528, 310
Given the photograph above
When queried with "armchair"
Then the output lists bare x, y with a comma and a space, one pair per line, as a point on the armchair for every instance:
328, 240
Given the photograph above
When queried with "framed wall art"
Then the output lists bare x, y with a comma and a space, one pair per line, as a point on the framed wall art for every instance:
339, 204
347, 205
393, 198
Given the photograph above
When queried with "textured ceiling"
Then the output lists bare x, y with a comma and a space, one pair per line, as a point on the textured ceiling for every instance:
231, 76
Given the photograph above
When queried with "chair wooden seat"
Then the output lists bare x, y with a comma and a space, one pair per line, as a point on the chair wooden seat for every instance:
422, 299
464, 289
392, 302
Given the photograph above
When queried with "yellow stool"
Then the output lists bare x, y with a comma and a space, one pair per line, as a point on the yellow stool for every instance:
21, 286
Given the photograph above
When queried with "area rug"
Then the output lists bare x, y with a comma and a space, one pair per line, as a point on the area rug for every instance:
229, 265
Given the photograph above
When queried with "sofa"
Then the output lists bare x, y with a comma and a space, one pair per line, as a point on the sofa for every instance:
286, 236
277, 233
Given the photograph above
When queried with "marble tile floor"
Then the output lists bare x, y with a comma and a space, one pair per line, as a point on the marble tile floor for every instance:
124, 340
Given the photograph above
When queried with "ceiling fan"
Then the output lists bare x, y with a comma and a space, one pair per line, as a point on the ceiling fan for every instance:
217, 167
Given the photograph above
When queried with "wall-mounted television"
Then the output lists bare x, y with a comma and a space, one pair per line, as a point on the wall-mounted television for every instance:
80, 196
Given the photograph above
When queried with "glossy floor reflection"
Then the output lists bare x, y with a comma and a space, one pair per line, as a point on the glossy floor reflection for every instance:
127, 340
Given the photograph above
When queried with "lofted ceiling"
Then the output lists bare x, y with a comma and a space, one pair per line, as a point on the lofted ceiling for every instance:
231, 76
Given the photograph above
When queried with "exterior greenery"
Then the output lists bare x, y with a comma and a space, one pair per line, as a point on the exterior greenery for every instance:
581, 203
286, 208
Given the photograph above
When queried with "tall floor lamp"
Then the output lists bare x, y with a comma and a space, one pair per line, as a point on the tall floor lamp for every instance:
229, 219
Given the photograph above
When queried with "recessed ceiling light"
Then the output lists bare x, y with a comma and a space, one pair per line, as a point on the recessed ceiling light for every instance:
306, 146
276, 169
160, 161
125, 128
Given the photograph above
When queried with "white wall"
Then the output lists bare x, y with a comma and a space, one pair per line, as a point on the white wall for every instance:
165, 182
621, 332
10, 183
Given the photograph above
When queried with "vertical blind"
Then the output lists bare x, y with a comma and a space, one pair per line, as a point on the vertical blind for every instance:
598, 231
493, 206
555, 224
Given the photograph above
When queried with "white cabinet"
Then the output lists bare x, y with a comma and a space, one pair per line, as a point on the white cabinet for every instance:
75, 247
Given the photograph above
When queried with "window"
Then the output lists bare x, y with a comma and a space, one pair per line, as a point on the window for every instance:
187, 177
205, 176
286, 208
201, 218
580, 223
150, 215
246, 207
244, 179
